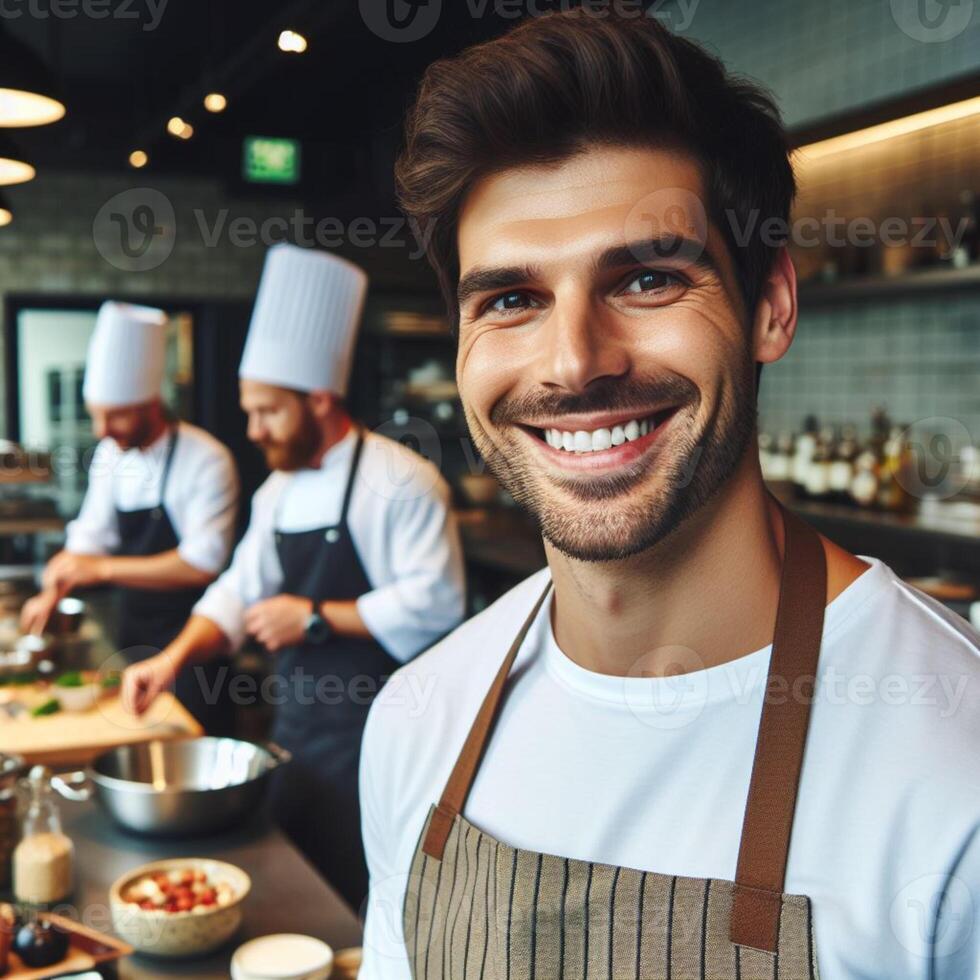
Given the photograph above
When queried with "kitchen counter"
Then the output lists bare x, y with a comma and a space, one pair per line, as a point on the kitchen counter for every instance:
287, 894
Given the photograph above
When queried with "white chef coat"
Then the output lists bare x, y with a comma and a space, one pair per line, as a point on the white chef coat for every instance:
200, 498
401, 525
653, 773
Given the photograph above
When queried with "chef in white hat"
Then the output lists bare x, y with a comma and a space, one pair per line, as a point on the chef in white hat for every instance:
351, 564
158, 518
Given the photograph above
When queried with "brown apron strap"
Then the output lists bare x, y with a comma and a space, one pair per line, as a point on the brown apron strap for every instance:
761, 874
461, 779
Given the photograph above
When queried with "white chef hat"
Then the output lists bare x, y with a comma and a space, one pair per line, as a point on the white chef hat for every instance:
126, 355
305, 320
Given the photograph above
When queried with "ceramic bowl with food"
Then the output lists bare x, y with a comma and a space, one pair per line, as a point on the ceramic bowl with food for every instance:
179, 907
76, 692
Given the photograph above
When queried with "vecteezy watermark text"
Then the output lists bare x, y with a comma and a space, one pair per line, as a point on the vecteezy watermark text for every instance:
148, 12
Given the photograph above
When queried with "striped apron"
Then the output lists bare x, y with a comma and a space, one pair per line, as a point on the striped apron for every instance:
478, 908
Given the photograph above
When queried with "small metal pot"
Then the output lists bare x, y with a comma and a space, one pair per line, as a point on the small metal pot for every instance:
69, 616
177, 789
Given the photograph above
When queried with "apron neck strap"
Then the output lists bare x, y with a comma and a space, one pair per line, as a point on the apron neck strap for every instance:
771, 803
171, 446
461, 778
348, 490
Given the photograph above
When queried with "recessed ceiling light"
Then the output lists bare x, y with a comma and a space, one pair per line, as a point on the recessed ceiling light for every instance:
179, 128
292, 42
215, 102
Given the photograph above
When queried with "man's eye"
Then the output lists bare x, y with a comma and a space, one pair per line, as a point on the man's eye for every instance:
509, 301
650, 280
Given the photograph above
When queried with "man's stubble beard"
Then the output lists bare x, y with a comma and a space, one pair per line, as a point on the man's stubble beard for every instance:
297, 452
694, 467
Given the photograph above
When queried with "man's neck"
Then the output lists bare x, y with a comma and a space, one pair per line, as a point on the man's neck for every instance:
705, 595
334, 428
156, 429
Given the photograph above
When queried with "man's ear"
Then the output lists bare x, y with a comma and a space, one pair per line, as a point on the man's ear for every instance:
774, 324
321, 403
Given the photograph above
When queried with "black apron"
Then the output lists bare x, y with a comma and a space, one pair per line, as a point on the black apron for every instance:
149, 619
327, 691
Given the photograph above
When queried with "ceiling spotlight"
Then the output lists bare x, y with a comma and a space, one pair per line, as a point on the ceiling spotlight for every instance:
14, 169
215, 102
179, 128
27, 94
6, 215
292, 42
138, 159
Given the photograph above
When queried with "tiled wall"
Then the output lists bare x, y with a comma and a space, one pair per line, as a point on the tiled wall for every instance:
51, 246
919, 357
822, 57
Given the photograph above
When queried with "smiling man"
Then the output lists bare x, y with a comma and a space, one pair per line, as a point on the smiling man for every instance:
682, 749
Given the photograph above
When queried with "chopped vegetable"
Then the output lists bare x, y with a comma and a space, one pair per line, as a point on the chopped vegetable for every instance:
72, 679
112, 680
178, 891
50, 707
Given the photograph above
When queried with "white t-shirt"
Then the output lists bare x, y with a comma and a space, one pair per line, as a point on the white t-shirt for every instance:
200, 498
402, 527
653, 773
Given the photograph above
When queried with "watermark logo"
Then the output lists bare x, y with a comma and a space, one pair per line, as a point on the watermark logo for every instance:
933, 916
932, 21
401, 21
940, 458
136, 230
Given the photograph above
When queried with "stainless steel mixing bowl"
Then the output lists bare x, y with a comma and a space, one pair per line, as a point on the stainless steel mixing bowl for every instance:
176, 789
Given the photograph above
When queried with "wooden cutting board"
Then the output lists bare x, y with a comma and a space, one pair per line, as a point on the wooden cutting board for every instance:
71, 739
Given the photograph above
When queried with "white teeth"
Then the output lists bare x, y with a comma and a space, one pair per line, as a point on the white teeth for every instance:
583, 441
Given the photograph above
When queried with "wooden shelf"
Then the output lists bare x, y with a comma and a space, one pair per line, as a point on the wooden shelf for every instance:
814, 295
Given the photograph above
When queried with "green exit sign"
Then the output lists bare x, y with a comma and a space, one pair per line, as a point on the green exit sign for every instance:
271, 160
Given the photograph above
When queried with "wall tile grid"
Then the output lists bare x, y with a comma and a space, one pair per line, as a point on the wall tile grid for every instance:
50, 248
920, 356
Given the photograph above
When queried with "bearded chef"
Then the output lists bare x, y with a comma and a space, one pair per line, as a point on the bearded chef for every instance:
158, 518
351, 564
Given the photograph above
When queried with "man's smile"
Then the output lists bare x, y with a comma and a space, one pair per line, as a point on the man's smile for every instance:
598, 441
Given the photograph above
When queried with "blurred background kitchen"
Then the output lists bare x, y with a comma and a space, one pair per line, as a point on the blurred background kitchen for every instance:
171, 143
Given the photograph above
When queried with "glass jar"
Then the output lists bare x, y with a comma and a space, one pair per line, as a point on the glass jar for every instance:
44, 858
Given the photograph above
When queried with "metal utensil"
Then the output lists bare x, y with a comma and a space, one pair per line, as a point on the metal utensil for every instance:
181, 788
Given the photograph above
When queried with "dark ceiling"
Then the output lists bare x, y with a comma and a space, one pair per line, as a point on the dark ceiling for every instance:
124, 72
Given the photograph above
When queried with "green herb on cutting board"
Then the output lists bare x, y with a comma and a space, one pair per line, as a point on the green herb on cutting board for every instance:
72, 679
112, 680
50, 707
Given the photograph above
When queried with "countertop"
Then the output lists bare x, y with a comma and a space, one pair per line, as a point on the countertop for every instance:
287, 894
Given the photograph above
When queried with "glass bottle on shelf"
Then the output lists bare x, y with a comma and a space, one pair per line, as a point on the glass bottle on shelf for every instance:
842, 465
44, 858
892, 493
804, 448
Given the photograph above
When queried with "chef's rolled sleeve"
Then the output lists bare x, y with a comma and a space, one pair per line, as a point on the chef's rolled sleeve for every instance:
425, 596
208, 520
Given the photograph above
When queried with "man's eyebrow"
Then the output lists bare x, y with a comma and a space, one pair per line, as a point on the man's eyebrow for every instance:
650, 251
484, 280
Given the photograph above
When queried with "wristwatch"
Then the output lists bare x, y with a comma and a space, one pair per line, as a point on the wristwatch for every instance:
317, 630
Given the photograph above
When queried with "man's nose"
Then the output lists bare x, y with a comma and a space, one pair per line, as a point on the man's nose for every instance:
580, 344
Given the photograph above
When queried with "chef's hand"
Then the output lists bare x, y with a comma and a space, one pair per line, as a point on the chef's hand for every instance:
36, 612
280, 621
68, 571
143, 681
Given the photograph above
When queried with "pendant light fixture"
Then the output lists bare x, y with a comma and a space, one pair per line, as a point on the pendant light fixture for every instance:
14, 169
27, 92
6, 215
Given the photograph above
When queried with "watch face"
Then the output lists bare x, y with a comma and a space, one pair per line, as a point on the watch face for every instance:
317, 629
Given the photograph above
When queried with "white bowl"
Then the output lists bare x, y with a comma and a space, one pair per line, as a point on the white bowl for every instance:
283, 956
77, 698
162, 933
